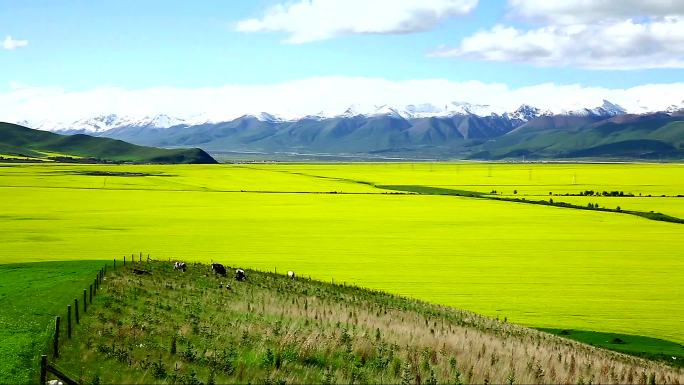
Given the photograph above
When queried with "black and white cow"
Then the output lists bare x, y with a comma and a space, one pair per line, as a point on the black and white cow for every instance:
291, 274
218, 269
180, 266
240, 275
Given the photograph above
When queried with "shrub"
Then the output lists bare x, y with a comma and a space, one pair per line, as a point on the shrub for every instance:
159, 369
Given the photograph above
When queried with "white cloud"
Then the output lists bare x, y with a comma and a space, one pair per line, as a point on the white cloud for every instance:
332, 95
10, 43
586, 11
592, 34
615, 45
314, 20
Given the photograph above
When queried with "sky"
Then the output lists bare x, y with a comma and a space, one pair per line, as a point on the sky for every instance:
64, 60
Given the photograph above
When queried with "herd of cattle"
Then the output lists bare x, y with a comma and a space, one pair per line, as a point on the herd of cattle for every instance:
219, 269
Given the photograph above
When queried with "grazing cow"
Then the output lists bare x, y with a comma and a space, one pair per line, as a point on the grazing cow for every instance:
291, 274
218, 269
180, 266
240, 275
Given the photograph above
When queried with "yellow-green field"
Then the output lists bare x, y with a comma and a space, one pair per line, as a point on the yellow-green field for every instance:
536, 265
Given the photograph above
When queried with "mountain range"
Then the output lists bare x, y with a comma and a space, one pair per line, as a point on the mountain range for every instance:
455, 130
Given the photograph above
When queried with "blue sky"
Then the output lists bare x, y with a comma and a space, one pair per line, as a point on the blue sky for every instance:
78, 46
134, 44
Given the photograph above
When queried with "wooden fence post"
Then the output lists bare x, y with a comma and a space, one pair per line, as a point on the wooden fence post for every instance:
90, 297
43, 369
140, 257
124, 260
76, 310
85, 301
69, 321
114, 263
55, 341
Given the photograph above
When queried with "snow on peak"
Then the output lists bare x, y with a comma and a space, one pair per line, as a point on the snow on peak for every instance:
524, 113
386, 110
351, 111
266, 117
163, 121
609, 109
606, 109
107, 122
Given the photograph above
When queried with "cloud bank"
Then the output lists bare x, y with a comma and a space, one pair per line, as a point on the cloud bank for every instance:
329, 95
314, 20
591, 34
623, 45
587, 11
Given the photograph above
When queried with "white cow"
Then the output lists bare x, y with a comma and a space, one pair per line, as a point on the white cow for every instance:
291, 274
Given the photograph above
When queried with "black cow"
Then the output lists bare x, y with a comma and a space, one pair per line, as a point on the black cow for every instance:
240, 275
180, 266
218, 269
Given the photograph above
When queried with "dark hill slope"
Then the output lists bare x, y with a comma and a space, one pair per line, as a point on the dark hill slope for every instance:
22, 141
629, 136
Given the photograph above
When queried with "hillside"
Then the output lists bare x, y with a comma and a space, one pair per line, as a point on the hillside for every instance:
652, 136
19, 141
169, 326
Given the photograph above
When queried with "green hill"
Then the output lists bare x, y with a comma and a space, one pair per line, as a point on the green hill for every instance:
656, 136
19, 141
160, 325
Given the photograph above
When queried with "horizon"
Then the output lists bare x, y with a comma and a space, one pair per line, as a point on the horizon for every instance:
64, 61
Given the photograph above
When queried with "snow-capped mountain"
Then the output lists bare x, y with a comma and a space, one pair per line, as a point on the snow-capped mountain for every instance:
607, 109
524, 113
104, 123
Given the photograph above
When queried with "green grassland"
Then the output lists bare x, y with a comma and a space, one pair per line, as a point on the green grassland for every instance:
647, 347
535, 265
186, 327
31, 295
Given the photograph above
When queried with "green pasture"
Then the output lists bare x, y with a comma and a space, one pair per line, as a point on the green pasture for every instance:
535, 265
31, 294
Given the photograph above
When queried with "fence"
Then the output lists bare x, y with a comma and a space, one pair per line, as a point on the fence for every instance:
88, 294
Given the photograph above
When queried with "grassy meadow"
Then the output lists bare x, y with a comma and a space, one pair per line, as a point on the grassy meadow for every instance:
541, 266
31, 295
186, 327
